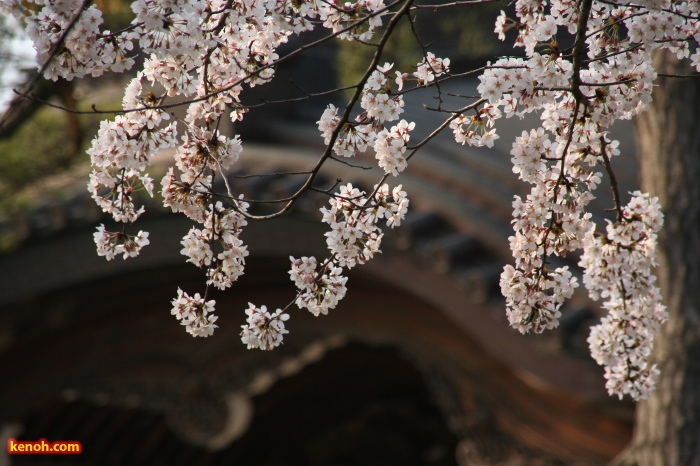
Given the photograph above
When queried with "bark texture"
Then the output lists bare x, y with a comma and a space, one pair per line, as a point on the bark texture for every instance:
667, 429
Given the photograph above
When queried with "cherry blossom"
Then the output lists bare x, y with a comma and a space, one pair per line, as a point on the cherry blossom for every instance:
430, 68
476, 133
111, 244
320, 289
195, 313
390, 147
618, 268
204, 54
577, 102
355, 237
264, 329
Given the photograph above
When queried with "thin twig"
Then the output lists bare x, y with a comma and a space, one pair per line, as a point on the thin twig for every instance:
344, 118
42, 70
613, 180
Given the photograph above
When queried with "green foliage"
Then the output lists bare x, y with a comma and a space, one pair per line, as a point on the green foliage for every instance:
117, 13
40, 150
462, 32
472, 30
352, 57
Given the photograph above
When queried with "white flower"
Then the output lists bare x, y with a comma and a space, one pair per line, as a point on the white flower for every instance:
430, 68
194, 313
380, 105
390, 146
328, 122
110, 244
618, 268
196, 247
354, 237
321, 290
263, 330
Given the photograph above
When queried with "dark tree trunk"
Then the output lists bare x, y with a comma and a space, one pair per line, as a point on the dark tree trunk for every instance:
667, 430
22, 109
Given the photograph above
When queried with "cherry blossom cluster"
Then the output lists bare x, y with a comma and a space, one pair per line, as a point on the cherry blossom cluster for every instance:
578, 101
111, 244
533, 301
120, 155
618, 269
203, 54
319, 290
122, 151
353, 138
377, 101
195, 313
216, 245
264, 330
68, 39
474, 130
114, 193
390, 147
369, 130
202, 149
354, 237
204, 51
188, 197
221, 227
430, 68
381, 106
510, 83
549, 221
341, 16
